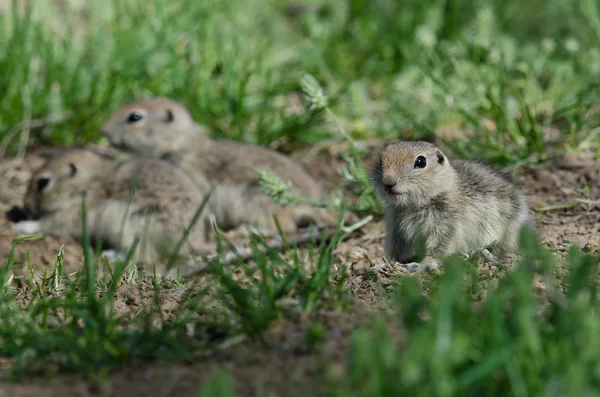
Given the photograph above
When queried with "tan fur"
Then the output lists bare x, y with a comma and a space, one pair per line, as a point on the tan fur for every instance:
455, 206
167, 131
164, 202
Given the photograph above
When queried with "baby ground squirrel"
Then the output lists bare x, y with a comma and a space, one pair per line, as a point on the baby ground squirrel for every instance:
162, 128
164, 202
456, 206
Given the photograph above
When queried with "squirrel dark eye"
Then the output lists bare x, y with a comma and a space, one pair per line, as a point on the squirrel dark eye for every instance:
133, 117
420, 162
42, 183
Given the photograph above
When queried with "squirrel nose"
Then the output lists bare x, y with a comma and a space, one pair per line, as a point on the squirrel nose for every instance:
388, 184
389, 187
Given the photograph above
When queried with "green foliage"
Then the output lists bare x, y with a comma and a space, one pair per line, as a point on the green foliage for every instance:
277, 284
353, 174
69, 325
508, 345
389, 66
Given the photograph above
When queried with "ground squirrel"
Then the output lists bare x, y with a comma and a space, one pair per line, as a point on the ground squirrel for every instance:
455, 206
162, 128
164, 201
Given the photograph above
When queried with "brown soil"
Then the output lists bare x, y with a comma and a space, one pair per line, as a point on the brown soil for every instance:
285, 366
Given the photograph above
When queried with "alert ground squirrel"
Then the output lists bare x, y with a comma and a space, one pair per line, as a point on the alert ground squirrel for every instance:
164, 202
162, 128
454, 206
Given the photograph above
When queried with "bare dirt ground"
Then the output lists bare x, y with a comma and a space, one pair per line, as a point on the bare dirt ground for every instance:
284, 366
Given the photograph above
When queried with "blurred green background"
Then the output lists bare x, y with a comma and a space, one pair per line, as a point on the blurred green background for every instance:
520, 75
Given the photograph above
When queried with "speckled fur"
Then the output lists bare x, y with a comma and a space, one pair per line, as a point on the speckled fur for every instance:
167, 131
453, 205
164, 202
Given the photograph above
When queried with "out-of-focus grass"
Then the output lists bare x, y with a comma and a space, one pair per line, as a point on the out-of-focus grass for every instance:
504, 70
509, 345
515, 342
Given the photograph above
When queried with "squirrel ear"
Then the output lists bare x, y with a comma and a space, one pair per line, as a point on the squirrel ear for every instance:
170, 116
440, 157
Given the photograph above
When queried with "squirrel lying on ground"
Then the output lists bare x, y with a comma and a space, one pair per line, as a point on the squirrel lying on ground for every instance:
162, 128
